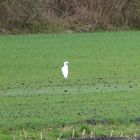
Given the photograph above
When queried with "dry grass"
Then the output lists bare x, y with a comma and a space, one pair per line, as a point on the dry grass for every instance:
77, 15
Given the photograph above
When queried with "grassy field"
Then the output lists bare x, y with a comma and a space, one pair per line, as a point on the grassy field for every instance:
102, 90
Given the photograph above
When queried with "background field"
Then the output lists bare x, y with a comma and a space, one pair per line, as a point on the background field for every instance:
102, 90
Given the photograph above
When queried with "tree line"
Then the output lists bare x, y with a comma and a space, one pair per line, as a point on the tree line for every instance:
17, 16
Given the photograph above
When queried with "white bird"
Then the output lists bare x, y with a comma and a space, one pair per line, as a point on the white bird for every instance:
65, 70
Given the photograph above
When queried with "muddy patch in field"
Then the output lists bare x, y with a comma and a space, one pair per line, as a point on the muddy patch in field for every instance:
108, 138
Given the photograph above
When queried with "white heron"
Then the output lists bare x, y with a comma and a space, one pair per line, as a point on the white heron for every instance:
65, 69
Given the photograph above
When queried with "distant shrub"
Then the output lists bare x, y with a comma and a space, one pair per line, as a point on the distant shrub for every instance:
60, 15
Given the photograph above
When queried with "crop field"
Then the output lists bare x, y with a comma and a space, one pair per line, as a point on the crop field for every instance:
102, 91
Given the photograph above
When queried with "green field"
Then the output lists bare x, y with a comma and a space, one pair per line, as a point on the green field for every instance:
101, 92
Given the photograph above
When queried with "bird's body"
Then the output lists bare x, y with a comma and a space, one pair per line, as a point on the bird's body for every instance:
65, 69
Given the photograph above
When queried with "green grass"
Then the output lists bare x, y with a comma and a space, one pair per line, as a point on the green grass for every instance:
35, 60
103, 86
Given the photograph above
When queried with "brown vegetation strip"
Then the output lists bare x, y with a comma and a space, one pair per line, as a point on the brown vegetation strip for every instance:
70, 15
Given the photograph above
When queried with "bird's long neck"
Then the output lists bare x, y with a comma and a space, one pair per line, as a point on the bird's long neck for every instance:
65, 65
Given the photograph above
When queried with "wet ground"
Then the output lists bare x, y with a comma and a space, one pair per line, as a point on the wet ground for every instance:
108, 138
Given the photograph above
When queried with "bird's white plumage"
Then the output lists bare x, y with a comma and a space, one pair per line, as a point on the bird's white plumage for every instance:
65, 69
